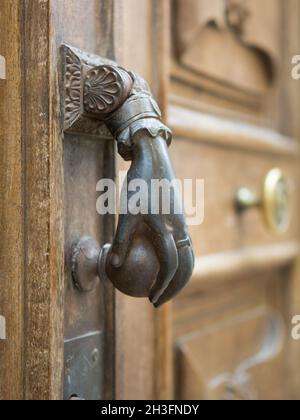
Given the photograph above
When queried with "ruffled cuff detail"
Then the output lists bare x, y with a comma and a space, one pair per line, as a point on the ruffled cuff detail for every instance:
152, 126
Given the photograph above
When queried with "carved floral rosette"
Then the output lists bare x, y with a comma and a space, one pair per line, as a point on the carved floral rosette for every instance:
76, 64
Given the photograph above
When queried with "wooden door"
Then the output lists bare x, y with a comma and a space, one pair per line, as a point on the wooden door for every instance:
221, 72
232, 107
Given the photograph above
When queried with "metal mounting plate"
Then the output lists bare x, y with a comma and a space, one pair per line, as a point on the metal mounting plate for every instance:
75, 65
84, 367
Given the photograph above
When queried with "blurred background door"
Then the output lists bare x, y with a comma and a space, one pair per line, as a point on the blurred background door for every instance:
233, 108
221, 70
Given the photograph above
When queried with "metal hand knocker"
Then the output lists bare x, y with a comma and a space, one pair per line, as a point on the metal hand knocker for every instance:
151, 255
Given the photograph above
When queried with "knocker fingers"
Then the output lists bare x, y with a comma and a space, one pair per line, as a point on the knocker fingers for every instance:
182, 275
126, 229
168, 259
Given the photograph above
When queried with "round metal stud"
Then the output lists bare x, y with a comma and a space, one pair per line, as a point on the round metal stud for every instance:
85, 257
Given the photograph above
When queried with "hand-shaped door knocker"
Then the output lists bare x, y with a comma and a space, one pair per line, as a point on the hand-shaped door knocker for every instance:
151, 255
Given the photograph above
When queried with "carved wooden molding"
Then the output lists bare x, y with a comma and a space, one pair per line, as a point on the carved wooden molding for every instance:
225, 267
240, 384
248, 19
264, 334
200, 126
236, 15
233, 42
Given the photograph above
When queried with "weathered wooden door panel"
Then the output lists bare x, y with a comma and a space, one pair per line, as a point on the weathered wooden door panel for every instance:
230, 346
232, 325
45, 196
11, 213
220, 70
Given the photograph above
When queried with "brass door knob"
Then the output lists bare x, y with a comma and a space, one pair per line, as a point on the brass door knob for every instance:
274, 200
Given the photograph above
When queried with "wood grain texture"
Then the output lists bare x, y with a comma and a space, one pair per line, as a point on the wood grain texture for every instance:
43, 223
242, 271
11, 205
90, 26
47, 25
33, 364
56, 222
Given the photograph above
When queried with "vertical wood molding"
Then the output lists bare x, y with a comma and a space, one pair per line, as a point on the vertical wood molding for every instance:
37, 245
161, 55
11, 205
56, 225
44, 206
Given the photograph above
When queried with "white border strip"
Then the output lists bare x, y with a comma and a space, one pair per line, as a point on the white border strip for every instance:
2, 328
2, 67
